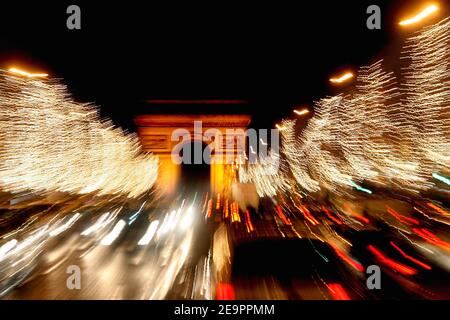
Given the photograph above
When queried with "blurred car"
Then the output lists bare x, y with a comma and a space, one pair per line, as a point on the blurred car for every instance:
406, 271
282, 268
19, 258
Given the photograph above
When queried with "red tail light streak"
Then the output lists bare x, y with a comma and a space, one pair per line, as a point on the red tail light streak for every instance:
394, 265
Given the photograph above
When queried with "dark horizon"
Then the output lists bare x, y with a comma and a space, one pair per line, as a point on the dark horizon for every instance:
273, 57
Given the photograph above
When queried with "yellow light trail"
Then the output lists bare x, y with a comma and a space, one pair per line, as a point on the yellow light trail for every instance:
420, 16
301, 112
342, 78
27, 74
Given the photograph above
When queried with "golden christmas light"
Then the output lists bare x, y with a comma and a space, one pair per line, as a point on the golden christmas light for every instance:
49, 142
420, 16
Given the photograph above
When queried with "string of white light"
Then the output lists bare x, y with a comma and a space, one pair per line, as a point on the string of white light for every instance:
267, 174
49, 142
390, 136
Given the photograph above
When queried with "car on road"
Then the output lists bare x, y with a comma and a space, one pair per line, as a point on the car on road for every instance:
409, 269
285, 269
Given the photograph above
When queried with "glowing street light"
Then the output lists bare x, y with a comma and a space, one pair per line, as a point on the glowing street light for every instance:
441, 178
27, 74
420, 16
301, 112
280, 128
343, 78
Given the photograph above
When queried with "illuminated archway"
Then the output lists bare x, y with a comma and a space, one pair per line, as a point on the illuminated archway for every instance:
156, 134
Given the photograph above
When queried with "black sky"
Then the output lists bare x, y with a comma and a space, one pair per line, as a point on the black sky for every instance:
273, 55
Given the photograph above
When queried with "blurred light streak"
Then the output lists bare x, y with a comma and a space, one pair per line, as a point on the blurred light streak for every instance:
172, 221
358, 187
27, 74
346, 76
441, 178
65, 226
218, 201
101, 222
405, 270
210, 208
135, 216
266, 174
207, 276
298, 156
149, 234
356, 215
431, 218
225, 291
301, 112
438, 209
115, 232
164, 227
330, 216
205, 202
355, 264
402, 218
226, 211
235, 216
187, 219
296, 232
36, 235
419, 263
248, 222
431, 238
28, 247
416, 243
308, 215
338, 292
4, 249
282, 216
172, 265
420, 16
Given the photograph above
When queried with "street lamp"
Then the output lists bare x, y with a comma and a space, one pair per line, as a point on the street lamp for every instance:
301, 112
420, 16
346, 76
27, 74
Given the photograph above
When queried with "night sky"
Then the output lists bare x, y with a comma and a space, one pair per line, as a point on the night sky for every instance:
274, 56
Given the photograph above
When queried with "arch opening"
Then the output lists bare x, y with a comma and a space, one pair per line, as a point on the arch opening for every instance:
195, 168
